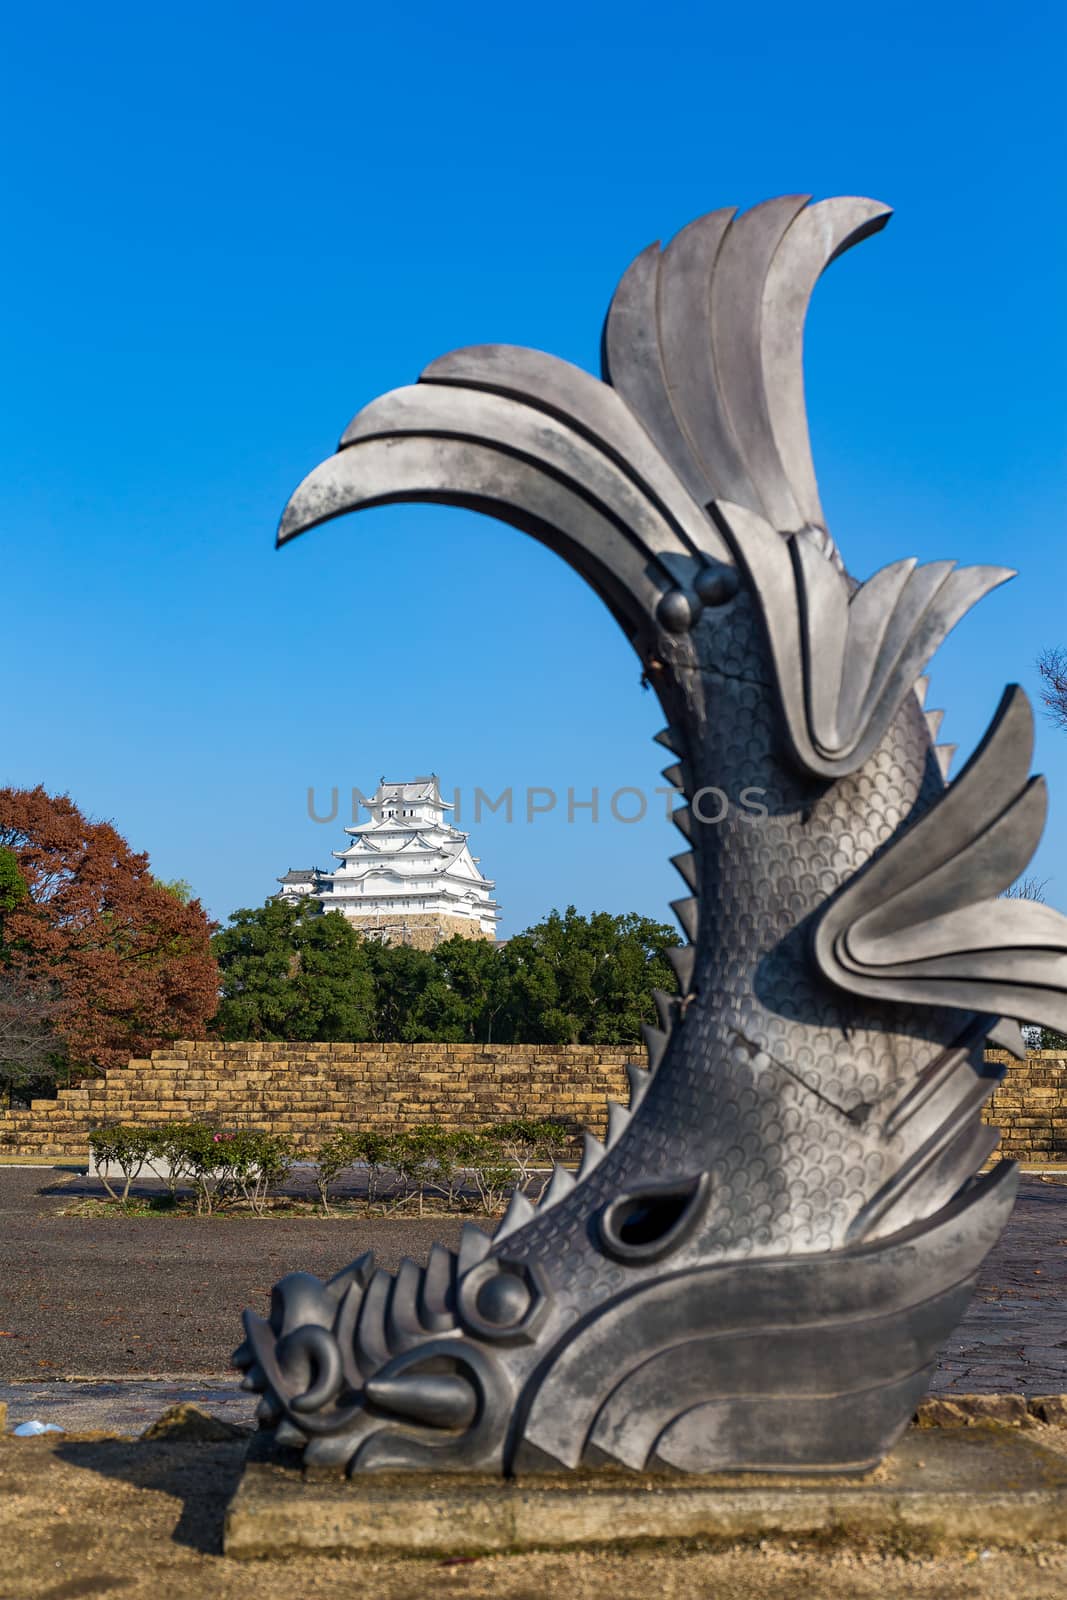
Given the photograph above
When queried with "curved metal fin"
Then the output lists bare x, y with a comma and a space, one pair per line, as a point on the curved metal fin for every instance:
372, 1346
705, 342
655, 1043
922, 924
922, 686
359, 1272
569, 394
474, 1246
435, 1290
683, 959
592, 1154
580, 476
618, 1120
560, 1184
670, 739
843, 660
683, 821
675, 775
1007, 1035
934, 719
403, 1325
688, 913
518, 1214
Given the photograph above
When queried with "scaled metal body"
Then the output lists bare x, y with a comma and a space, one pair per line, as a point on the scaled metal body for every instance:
759, 1268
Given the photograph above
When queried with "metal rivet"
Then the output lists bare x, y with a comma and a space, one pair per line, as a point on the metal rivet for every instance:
716, 583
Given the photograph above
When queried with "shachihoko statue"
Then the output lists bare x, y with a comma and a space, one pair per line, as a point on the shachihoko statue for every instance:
786, 1223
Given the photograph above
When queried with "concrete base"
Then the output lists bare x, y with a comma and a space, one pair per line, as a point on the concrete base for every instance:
989, 1483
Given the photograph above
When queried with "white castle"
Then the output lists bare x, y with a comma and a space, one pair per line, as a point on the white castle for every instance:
408, 876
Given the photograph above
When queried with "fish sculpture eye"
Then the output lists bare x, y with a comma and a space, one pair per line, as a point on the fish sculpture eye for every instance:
757, 1267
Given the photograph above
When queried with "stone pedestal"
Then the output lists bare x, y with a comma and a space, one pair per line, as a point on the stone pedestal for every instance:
996, 1484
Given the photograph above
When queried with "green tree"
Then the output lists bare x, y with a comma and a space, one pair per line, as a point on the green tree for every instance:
477, 989
13, 886
412, 997
178, 888
586, 980
290, 973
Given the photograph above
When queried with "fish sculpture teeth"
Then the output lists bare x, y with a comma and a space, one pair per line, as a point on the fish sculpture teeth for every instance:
758, 1270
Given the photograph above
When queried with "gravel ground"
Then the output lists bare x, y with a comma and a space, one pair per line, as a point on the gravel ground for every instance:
136, 1295
88, 1298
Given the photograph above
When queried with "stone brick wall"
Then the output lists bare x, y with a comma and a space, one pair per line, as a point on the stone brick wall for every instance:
423, 930
1030, 1107
308, 1089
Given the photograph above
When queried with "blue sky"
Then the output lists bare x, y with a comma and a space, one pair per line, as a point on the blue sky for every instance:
231, 226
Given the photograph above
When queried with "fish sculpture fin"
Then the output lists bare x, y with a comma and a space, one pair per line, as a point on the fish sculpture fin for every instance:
844, 661
534, 441
704, 340
922, 924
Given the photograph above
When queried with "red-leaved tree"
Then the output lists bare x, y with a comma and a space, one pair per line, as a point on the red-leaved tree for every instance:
125, 964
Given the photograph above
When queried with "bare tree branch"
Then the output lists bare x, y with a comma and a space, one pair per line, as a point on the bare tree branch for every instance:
1052, 665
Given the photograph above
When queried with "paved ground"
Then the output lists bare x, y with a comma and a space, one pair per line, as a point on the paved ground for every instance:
126, 1297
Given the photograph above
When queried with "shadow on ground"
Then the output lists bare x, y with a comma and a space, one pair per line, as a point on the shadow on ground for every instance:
203, 1477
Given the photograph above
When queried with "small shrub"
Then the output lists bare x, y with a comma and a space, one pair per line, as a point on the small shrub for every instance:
340, 1151
227, 1166
487, 1162
530, 1142
122, 1147
372, 1149
169, 1153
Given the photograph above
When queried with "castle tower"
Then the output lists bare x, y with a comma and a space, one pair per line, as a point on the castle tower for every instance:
408, 876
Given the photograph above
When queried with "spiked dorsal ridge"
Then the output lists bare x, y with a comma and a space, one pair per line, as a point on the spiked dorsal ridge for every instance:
618, 1117
686, 864
639, 1080
944, 754
683, 959
670, 739
473, 1247
592, 1155
666, 1007
683, 821
688, 913
561, 1183
934, 719
655, 1044
518, 1214
675, 775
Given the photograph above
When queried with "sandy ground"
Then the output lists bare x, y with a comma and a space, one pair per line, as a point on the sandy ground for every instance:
100, 1518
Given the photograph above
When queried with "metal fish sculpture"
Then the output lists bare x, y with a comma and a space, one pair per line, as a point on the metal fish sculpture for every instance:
758, 1268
